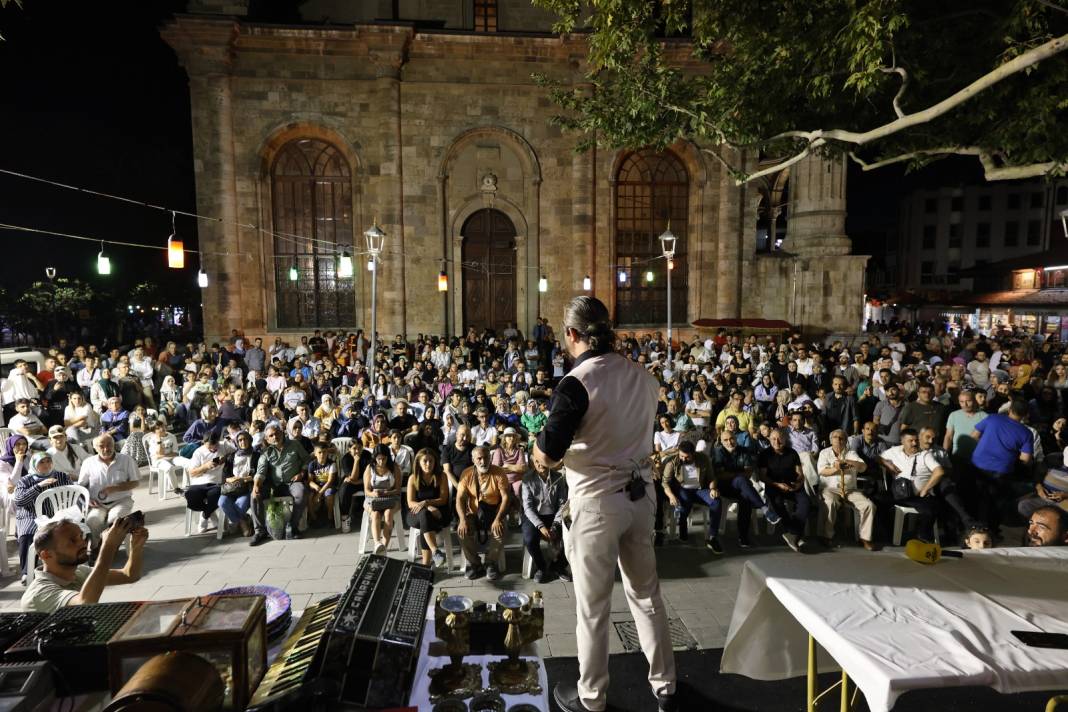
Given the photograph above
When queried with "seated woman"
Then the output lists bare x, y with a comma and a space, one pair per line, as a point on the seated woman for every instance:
13, 465
354, 462
428, 504
512, 459
382, 488
236, 490
169, 398
322, 484
134, 444
80, 420
39, 478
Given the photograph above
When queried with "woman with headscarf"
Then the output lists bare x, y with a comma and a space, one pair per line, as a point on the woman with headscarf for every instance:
39, 477
13, 465
238, 473
169, 397
103, 389
326, 412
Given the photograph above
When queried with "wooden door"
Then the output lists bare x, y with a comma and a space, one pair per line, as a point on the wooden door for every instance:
489, 271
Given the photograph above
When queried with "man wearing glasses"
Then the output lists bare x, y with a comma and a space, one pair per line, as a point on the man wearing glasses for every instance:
278, 474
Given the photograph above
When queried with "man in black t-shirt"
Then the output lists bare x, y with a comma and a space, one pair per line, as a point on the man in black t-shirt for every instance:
779, 468
456, 456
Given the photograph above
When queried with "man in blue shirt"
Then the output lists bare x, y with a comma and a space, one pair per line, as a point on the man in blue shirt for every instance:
1002, 440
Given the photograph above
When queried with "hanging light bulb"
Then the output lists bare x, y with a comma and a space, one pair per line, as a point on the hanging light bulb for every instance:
202, 279
649, 276
371, 265
443, 281
587, 283
344, 265
175, 248
543, 284
103, 262
292, 274
622, 276
671, 264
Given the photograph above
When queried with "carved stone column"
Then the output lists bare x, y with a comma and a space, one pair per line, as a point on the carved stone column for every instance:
818, 207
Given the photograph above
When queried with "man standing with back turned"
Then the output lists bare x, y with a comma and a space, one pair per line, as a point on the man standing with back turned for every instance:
601, 428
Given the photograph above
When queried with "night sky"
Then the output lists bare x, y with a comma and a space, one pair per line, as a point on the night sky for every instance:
90, 95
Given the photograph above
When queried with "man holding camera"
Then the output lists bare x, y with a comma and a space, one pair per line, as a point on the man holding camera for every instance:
66, 579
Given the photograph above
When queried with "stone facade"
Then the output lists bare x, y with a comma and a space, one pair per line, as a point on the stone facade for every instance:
425, 118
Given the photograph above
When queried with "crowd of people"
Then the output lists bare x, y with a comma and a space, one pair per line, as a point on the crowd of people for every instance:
967, 432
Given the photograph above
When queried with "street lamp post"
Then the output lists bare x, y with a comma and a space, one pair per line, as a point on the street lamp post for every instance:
374, 237
50, 272
667, 244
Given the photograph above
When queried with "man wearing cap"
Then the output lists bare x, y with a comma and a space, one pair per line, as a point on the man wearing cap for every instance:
66, 456
56, 395
601, 429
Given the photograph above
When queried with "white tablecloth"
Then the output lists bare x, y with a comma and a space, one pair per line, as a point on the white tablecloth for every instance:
420, 697
895, 625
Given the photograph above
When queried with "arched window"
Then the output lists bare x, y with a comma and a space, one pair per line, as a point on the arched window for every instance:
651, 190
311, 193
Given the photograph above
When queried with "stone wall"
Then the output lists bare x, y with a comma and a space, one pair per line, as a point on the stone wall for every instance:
424, 119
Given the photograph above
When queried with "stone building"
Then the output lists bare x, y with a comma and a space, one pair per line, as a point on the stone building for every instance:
423, 115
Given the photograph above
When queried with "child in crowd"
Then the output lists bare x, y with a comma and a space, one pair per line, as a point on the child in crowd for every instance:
978, 537
322, 483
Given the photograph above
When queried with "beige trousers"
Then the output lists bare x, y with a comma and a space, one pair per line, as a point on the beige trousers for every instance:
831, 502
606, 532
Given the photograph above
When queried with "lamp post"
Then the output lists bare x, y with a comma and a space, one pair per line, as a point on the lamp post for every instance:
50, 272
374, 237
667, 244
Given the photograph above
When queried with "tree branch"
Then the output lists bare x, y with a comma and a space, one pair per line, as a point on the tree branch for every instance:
901, 90
992, 170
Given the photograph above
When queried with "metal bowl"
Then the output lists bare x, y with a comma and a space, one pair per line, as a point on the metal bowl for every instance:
457, 604
513, 599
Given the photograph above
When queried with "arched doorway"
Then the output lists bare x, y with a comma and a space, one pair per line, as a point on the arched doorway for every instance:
489, 271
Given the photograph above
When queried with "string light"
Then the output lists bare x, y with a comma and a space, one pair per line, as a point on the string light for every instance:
344, 265
543, 284
292, 274
443, 281
103, 262
587, 283
622, 276
202, 279
649, 276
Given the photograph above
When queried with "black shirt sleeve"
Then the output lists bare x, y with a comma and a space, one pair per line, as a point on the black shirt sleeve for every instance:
569, 404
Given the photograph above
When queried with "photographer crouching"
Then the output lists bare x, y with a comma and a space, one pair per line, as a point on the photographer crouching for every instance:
65, 578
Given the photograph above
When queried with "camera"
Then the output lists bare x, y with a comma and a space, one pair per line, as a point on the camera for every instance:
135, 520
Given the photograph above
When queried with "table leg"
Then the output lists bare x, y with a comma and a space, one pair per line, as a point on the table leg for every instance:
1054, 701
811, 674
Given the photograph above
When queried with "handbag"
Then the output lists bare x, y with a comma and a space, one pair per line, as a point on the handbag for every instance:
902, 487
235, 489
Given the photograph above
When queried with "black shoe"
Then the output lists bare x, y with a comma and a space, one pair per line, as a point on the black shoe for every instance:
474, 572
564, 574
492, 573
540, 576
667, 703
658, 540
258, 538
566, 696
293, 534
713, 545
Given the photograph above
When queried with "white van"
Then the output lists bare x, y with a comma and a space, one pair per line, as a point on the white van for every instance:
8, 357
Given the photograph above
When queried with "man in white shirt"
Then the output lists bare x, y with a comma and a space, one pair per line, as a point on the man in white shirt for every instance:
482, 433
110, 478
20, 383
921, 468
67, 457
24, 422
699, 410
804, 361
838, 468
205, 478
141, 366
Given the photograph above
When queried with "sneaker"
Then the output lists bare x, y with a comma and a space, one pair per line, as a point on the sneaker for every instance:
258, 538
204, 525
540, 576
770, 516
438, 558
744, 544
473, 572
492, 573
564, 574
801, 544
791, 541
346, 525
380, 548
713, 545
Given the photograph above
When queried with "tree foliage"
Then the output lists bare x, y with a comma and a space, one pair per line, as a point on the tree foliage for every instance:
71, 296
883, 80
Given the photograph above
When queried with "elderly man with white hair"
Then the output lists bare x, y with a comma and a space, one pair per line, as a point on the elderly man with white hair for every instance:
110, 478
838, 467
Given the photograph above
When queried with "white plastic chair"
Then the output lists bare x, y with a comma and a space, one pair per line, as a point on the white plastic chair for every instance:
165, 476
4, 517
528, 560
365, 532
5, 433
446, 542
220, 521
60, 498
342, 446
900, 512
